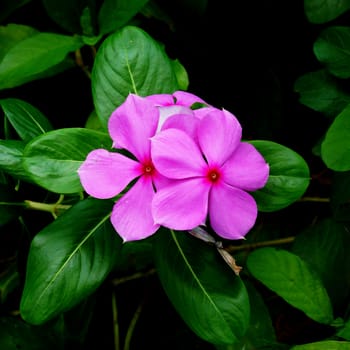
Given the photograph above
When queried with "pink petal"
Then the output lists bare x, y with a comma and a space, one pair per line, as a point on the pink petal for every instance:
132, 124
176, 155
182, 205
161, 99
105, 174
183, 122
132, 215
232, 212
246, 168
219, 133
167, 112
184, 98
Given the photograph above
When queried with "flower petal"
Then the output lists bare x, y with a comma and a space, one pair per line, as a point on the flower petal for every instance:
184, 122
219, 133
246, 168
176, 155
132, 215
232, 212
167, 112
105, 174
181, 206
184, 98
132, 124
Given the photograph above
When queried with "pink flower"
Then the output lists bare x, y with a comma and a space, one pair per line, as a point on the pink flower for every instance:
106, 174
212, 176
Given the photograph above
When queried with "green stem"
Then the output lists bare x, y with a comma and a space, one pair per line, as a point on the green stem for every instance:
115, 322
132, 326
51, 208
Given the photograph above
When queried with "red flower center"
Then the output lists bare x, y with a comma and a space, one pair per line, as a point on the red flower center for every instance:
213, 175
148, 168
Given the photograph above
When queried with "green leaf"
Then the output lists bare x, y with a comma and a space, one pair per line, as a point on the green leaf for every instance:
11, 154
181, 74
323, 345
335, 148
344, 332
67, 13
12, 34
322, 11
321, 91
129, 61
10, 203
52, 160
288, 180
290, 277
332, 48
324, 247
33, 56
210, 298
116, 13
27, 120
68, 260
9, 281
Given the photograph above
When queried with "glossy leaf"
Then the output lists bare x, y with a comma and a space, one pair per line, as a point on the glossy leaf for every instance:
322, 11
116, 13
288, 180
210, 298
332, 48
335, 148
323, 345
52, 160
129, 61
322, 92
27, 120
290, 277
33, 56
324, 247
68, 260
11, 156
12, 34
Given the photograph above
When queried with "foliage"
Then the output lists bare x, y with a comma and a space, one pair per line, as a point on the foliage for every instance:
66, 277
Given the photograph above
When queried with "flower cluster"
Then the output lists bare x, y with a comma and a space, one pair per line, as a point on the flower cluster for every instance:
187, 167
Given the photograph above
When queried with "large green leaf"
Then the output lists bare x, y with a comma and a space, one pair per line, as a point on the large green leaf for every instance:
27, 120
324, 345
52, 160
324, 246
68, 260
12, 34
288, 180
129, 61
322, 92
116, 13
210, 298
290, 277
335, 148
321, 11
332, 48
11, 154
35, 55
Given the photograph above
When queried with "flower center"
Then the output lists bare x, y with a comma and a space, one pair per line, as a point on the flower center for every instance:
148, 168
213, 175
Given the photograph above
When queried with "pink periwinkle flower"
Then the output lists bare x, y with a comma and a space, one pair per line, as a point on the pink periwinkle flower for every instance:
212, 176
106, 174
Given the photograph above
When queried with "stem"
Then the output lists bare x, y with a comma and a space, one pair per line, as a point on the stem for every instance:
314, 199
137, 275
260, 244
115, 322
132, 326
51, 208
80, 62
